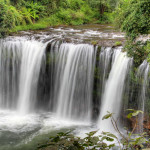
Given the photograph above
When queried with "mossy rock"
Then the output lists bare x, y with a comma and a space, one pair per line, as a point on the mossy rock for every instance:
118, 43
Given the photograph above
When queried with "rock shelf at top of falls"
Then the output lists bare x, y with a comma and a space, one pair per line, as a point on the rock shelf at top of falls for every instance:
102, 35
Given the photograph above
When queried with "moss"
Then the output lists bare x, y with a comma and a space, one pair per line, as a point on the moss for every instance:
94, 42
118, 43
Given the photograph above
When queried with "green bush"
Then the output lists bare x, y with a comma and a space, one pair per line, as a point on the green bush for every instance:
28, 13
65, 15
104, 141
147, 49
9, 17
137, 51
132, 16
75, 17
72, 4
36, 10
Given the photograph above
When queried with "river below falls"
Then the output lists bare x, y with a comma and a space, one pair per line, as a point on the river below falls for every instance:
26, 132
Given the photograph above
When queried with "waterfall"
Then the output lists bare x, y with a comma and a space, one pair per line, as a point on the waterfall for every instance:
74, 81
19, 73
112, 97
105, 66
48, 85
71, 77
142, 74
32, 52
69, 71
10, 59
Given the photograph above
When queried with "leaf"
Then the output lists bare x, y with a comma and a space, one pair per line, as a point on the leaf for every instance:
107, 116
105, 133
137, 112
129, 115
111, 146
109, 139
56, 139
131, 109
94, 140
91, 133
103, 138
112, 135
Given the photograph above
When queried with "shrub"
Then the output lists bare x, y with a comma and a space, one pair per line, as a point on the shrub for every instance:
9, 17
72, 4
36, 10
65, 15
132, 16
147, 49
137, 51
104, 141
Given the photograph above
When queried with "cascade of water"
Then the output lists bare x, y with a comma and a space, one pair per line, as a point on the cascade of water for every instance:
19, 71
112, 97
55, 73
10, 59
105, 66
142, 74
74, 80
32, 52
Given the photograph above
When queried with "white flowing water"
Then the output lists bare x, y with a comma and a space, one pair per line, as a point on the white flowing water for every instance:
75, 71
143, 75
70, 70
112, 97
10, 59
104, 65
32, 53
20, 65
19, 72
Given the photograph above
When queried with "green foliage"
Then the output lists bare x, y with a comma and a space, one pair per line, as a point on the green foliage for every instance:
26, 16
129, 140
104, 10
9, 17
72, 4
118, 43
147, 49
75, 12
109, 115
137, 51
133, 113
68, 141
94, 43
36, 10
51, 6
20, 14
132, 16
104, 141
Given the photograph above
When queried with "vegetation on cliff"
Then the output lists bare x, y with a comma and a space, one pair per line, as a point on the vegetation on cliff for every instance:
24, 15
132, 17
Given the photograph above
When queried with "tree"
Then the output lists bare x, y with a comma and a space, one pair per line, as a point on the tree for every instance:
104, 5
133, 17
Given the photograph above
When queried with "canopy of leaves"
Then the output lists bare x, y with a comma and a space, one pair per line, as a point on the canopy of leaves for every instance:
133, 17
